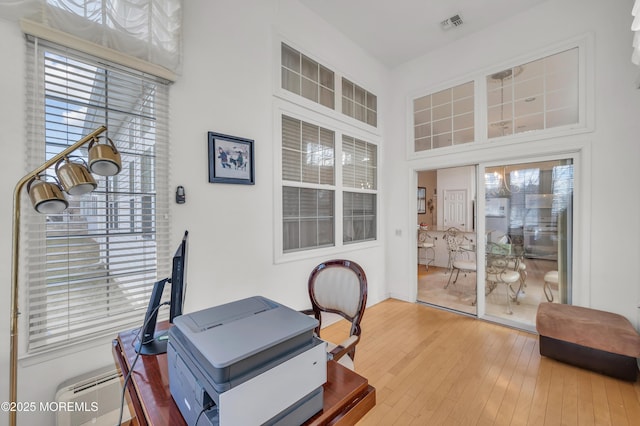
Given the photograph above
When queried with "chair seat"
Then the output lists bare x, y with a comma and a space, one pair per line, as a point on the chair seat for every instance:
507, 277
427, 245
465, 265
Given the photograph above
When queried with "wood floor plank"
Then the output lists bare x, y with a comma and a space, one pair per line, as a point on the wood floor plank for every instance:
433, 367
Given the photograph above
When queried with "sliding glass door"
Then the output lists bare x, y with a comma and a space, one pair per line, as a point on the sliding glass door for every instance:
513, 249
528, 222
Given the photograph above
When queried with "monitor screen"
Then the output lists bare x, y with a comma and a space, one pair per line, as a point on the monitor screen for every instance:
152, 342
179, 279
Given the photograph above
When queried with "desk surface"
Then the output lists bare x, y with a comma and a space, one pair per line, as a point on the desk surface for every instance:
347, 395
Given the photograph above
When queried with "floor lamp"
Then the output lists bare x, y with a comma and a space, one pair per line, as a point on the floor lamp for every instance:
47, 197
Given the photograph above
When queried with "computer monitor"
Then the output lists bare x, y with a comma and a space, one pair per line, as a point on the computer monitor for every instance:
152, 342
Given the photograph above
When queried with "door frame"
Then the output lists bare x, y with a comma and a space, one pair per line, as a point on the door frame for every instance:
578, 149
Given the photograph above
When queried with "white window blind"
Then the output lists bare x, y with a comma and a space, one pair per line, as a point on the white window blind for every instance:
308, 166
90, 269
359, 206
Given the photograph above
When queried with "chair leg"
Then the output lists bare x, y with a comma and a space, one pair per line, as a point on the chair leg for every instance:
547, 291
451, 276
508, 289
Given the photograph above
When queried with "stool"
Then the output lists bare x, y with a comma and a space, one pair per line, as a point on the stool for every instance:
550, 277
600, 341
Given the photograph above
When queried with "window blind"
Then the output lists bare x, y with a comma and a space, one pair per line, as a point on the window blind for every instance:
90, 269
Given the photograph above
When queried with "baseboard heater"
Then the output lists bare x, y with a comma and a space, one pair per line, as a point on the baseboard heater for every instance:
95, 397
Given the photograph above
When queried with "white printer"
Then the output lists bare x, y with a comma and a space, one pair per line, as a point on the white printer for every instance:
249, 362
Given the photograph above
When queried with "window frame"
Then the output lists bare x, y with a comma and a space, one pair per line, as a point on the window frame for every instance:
585, 45
300, 108
37, 240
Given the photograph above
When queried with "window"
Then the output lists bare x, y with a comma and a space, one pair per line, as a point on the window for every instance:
309, 188
90, 269
358, 103
445, 118
307, 78
537, 95
308, 161
359, 173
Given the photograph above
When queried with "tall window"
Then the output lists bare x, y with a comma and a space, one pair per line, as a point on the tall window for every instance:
359, 177
310, 189
308, 168
90, 269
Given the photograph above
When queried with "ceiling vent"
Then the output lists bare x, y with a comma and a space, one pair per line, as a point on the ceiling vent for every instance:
454, 21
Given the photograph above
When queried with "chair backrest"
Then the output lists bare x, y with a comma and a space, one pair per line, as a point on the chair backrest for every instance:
339, 286
455, 239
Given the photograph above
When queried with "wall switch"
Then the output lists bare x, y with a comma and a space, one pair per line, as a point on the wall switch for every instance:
398, 232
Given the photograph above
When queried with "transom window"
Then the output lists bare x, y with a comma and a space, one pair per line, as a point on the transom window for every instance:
444, 118
311, 80
537, 95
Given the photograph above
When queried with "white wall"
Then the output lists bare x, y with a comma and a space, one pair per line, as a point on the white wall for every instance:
226, 86
610, 202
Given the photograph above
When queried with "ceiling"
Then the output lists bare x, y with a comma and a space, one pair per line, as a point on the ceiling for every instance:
397, 31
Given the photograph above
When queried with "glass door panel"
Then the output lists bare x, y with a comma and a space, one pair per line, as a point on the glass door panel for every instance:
446, 259
528, 238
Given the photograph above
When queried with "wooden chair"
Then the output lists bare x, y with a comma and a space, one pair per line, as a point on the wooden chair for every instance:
339, 287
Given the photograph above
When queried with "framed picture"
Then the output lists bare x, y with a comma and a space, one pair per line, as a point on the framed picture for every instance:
422, 198
230, 159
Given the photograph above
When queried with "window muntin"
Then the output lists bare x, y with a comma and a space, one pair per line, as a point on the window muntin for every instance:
538, 95
359, 103
444, 118
307, 218
305, 77
90, 269
359, 217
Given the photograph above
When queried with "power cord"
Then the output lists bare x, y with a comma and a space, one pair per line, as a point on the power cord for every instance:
126, 380
206, 408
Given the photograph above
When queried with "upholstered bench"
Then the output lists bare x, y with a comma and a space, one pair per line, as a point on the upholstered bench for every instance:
600, 341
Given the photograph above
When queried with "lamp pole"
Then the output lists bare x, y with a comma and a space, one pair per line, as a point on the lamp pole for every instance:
15, 264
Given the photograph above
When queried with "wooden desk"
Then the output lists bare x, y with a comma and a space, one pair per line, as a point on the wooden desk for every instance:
347, 395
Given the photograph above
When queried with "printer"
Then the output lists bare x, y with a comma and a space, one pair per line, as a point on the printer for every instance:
248, 362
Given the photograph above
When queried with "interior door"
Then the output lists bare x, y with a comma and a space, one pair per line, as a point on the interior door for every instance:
455, 208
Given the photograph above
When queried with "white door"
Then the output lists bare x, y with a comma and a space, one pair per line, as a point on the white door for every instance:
455, 208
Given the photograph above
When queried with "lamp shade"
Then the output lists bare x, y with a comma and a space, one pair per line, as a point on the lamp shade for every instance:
75, 178
104, 159
46, 197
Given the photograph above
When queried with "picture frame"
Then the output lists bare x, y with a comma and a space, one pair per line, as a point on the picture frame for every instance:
422, 198
231, 159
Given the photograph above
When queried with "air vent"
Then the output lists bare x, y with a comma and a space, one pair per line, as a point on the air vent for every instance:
454, 21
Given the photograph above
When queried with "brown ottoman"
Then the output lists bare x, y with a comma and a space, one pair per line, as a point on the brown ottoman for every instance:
597, 340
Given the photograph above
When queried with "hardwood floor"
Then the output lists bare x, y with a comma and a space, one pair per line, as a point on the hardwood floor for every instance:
432, 367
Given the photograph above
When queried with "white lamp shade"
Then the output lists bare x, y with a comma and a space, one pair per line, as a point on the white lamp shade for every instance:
104, 168
75, 178
104, 159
